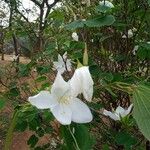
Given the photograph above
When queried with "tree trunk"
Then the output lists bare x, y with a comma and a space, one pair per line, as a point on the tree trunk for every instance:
2, 42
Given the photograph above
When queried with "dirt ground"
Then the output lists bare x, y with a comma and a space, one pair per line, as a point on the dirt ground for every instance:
9, 58
20, 141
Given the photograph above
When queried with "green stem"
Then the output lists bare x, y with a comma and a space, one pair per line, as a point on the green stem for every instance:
9, 135
76, 143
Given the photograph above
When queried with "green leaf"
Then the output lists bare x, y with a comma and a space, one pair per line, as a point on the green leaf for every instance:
105, 147
100, 21
75, 24
14, 92
2, 103
81, 133
41, 78
143, 51
40, 132
45, 85
141, 111
34, 124
83, 137
32, 140
68, 140
125, 139
108, 76
22, 126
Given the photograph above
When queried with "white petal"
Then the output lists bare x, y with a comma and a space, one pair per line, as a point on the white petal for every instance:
82, 82
76, 85
130, 33
68, 64
87, 82
120, 110
124, 36
56, 64
106, 3
62, 113
80, 111
60, 65
60, 59
65, 56
111, 115
60, 87
61, 69
43, 100
75, 36
127, 111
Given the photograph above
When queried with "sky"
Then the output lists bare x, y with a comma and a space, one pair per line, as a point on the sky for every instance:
32, 11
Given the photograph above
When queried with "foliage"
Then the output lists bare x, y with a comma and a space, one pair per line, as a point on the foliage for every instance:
118, 62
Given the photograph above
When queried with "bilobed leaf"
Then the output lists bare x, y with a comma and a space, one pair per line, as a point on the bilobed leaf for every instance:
100, 21
95, 22
141, 111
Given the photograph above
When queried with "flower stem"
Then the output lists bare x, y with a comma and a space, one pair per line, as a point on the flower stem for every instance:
76, 143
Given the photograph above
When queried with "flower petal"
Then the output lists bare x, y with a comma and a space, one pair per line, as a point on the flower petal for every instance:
68, 64
80, 111
126, 112
65, 56
82, 82
76, 86
60, 59
111, 115
106, 3
75, 36
62, 113
60, 64
60, 87
120, 110
43, 100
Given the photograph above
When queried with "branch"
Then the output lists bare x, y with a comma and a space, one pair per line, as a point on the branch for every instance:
25, 18
49, 7
36, 2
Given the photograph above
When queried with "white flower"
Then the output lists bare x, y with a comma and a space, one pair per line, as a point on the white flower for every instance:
82, 82
63, 64
136, 47
83, 19
148, 42
106, 3
14, 57
119, 113
75, 36
61, 101
130, 33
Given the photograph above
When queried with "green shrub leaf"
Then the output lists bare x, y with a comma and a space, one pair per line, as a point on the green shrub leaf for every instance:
101, 21
141, 112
